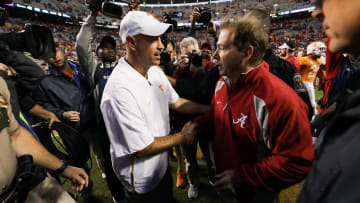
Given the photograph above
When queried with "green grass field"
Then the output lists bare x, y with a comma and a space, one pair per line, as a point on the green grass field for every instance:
206, 193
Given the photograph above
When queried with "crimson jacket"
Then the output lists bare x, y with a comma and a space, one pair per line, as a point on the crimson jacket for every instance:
259, 106
294, 61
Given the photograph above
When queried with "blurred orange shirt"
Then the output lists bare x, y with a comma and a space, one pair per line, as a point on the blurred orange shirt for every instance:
309, 68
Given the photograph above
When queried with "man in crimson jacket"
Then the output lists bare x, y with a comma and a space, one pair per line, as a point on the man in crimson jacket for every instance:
262, 138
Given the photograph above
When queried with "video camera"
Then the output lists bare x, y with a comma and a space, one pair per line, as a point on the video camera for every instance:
36, 39
165, 58
107, 7
205, 15
167, 19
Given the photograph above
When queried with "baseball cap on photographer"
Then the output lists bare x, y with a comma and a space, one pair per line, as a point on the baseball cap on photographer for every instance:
139, 22
106, 39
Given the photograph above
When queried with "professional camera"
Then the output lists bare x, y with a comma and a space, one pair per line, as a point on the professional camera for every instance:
195, 59
107, 7
36, 39
205, 15
165, 58
167, 19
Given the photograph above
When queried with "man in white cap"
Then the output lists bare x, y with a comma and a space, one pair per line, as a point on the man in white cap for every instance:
135, 106
287, 53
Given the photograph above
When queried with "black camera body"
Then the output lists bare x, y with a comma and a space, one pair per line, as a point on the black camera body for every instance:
37, 40
168, 19
205, 15
107, 7
165, 58
194, 58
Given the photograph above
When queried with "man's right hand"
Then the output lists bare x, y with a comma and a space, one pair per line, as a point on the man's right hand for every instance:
93, 6
52, 119
184, 61
189, 132
195, 15
72, 116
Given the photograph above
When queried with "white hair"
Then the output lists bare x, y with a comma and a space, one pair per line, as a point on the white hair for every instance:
189, 41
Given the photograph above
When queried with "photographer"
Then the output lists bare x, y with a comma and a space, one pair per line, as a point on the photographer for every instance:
190, 63
98, 73
206, 55
202, 15
22, 77
168, 60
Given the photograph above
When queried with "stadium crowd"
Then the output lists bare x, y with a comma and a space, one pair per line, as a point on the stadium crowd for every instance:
242, 90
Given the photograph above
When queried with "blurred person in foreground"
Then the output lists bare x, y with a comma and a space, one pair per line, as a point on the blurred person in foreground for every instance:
334, 176
262, 140
135, 107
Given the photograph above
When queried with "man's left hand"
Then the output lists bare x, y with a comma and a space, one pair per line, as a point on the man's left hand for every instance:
52, 119
225, 183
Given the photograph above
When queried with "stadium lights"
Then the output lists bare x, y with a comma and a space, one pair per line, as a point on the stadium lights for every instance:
177, 4
66, 15
20, 6
303, 9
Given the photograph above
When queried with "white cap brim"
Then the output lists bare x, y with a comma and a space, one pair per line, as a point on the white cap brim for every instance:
156, 30
284, 46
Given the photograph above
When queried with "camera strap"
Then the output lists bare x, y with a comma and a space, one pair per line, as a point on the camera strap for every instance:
9, 193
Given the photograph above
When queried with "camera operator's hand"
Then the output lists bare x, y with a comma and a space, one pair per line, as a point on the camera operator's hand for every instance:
194, 17
183, 62
72, 116
93, 6
211, 28
4, 50
134, 5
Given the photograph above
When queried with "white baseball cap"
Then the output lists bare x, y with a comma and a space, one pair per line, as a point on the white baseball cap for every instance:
139, 22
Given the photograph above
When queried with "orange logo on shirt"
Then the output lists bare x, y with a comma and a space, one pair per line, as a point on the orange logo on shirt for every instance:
161, 87
149, 14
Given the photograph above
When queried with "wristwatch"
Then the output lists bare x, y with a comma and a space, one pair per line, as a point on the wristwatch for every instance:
62, 168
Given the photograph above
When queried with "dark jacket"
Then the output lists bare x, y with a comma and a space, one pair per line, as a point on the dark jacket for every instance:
59, 93
28, 77
334, 177
286, 72
199, 89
